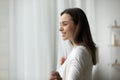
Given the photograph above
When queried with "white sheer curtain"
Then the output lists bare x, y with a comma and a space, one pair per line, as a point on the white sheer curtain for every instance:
32, 39
35, 43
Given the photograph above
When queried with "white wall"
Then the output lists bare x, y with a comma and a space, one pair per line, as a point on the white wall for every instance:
4, 39
106, 12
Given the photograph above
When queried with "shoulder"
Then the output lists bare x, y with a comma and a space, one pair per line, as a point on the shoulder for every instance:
81, 52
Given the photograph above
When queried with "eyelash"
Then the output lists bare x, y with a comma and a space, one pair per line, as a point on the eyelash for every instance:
63, 24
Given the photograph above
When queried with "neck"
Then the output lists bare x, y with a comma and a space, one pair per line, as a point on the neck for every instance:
73, 43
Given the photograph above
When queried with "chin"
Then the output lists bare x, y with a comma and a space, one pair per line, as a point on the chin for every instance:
65, 38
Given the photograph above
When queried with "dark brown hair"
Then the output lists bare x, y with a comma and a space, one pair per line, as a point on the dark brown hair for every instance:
82, 33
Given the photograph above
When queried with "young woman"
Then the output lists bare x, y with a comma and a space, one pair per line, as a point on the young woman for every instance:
74, 27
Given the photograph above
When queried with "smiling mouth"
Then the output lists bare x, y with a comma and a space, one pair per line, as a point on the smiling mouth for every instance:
63, 34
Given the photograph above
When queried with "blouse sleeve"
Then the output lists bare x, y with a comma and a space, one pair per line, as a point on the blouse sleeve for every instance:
78, 65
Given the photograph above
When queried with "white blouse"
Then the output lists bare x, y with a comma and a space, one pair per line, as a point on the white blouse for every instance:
78, 65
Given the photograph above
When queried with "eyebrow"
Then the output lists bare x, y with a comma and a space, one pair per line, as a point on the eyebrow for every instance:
61, 22
64, 21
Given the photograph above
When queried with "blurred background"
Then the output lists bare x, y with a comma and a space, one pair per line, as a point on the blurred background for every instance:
31, 45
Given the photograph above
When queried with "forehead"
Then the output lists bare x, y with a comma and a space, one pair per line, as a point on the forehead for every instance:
65, 17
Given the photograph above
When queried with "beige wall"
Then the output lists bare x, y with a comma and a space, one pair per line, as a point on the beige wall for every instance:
106, 11
4, 18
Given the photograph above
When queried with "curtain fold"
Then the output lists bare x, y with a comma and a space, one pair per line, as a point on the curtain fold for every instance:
35, 41
32, 39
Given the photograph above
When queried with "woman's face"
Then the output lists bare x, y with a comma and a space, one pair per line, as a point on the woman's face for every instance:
67, 27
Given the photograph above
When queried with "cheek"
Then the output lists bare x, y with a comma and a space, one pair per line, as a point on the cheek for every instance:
70, 32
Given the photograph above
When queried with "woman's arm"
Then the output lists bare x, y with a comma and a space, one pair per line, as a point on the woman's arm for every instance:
75, 71
79, 65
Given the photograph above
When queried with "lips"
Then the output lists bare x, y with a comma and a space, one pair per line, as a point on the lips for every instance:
63, 34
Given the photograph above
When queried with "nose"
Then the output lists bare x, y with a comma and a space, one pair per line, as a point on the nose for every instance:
61, 29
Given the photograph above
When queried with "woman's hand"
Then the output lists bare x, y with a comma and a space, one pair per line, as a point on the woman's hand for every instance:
55, 76
62, 60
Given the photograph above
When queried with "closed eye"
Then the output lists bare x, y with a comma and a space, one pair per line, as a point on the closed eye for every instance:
63, 23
